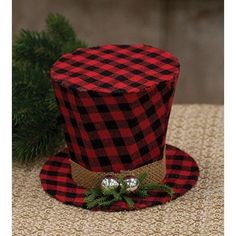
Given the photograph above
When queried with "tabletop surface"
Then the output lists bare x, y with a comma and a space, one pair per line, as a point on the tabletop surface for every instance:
196, 129
115, 68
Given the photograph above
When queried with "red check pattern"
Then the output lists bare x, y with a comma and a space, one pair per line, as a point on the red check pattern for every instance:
182, 175
115, 68
115, 102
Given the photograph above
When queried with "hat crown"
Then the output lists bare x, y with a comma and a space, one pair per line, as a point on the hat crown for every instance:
115, 101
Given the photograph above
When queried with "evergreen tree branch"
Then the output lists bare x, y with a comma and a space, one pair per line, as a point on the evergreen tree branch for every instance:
37, 131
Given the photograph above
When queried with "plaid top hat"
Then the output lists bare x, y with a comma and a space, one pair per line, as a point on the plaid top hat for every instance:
115, 101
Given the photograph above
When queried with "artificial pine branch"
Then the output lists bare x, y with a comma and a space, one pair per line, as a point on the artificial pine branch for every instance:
37, 131
142, 177
144, 188
142, 193
59, 28
97, 197
61, 31
35, 48
107, 202
129, 201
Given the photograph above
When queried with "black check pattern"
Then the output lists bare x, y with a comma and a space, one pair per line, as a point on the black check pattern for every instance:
115, 101
182, 175
115, 68
113, 133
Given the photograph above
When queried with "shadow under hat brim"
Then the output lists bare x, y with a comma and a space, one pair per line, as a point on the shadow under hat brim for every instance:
182, 175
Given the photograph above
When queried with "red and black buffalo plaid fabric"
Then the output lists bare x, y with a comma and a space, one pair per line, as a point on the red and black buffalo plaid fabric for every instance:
182, 174
115, 102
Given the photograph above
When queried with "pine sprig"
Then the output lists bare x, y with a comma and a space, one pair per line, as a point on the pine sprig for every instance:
142, 193
129, 201
59, 28
96, 197
155, 186
34, 48
37, 131
61, 31
142, 177
145, 187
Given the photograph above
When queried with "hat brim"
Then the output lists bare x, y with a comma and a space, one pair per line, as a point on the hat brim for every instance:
182, 174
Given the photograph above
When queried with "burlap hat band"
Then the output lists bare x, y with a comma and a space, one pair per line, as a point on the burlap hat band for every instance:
89, 179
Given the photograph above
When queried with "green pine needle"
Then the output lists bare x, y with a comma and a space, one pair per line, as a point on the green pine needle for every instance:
123, 186
94, 191
60, 29
142, 193
111, 192
34, 48
90, 198
157, 186
129, 201
105, 198
106, 202
91, 204
142, 177
37, 131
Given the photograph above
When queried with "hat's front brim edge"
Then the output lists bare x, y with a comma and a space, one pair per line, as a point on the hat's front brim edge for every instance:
182, 175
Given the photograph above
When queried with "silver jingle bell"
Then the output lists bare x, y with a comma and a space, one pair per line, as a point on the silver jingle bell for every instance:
109, 183
132, 183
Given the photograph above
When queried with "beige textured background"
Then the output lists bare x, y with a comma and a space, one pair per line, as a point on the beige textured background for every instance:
191, 29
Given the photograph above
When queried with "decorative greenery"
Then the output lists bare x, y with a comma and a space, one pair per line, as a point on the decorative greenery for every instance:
36, 122
96, 197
